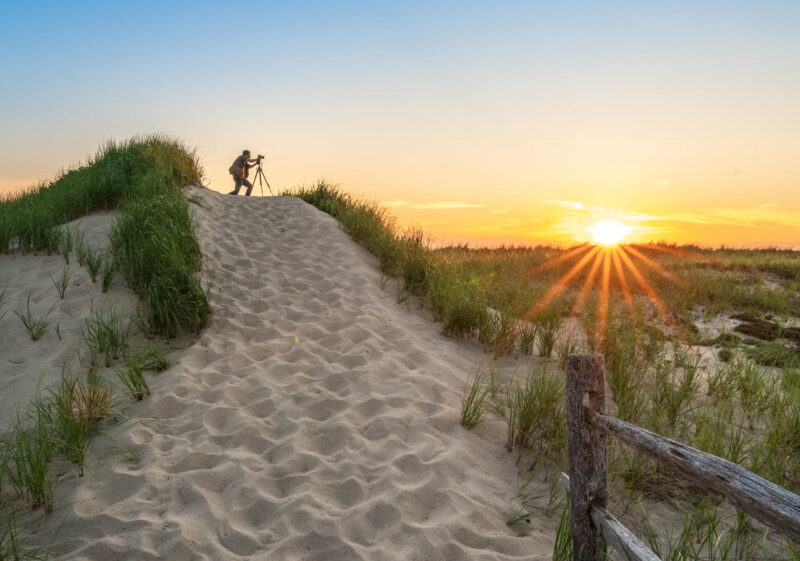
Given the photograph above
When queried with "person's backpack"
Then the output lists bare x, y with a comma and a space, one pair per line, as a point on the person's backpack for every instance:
236, 171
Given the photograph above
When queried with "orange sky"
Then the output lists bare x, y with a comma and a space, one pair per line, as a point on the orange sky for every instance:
515, 123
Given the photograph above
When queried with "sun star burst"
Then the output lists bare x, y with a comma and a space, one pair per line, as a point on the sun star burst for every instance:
609, 232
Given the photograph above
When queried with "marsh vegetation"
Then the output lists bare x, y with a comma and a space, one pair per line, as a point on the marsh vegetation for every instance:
700, 345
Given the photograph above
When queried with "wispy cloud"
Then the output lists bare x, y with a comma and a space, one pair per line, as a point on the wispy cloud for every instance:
577, 205
512, 226
640, 217
442, 205
742, 217
437, 205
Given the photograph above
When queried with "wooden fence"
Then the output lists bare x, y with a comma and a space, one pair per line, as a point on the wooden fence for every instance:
588, 427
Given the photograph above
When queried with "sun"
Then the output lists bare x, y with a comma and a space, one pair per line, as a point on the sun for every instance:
609, 232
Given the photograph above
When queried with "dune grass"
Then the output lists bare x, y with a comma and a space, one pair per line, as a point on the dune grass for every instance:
66, 243
35, 324
105, 335
153, 243
61, 283
73, 409
93, 259
474, 403
461, 284
739, 409
153, 247
159, 257
132, 378
27, 451
55, 428
108, 272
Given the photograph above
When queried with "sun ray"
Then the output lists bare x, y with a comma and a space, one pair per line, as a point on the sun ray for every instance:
560, 259
673, 251
651, 263
645, 286
587, 285
623, 283
556, 289
604, 295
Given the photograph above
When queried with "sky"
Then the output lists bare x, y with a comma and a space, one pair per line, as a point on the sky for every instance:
481, 122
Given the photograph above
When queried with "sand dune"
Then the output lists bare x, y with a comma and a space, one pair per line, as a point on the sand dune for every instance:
315, 418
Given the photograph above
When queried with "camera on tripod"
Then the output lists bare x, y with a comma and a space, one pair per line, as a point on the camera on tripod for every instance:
260, 177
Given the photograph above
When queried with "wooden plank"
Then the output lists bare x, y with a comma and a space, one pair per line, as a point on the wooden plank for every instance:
771, 504
615, 532
587, 453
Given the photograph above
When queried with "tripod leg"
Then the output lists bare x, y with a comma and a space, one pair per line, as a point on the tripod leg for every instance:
261, 179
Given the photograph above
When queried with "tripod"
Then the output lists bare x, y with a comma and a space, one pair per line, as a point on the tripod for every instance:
261, 180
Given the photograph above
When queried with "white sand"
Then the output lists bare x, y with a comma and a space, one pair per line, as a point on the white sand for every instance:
315, 418
26, 365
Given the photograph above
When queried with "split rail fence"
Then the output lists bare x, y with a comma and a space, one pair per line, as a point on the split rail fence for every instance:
588, 427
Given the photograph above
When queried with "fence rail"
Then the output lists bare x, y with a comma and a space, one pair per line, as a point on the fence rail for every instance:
587, 429
614, 531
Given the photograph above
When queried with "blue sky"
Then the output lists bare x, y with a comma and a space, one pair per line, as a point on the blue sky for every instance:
664, 109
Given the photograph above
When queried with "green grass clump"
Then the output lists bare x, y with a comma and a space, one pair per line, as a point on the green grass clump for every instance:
674, 388
66, 243
366, 222
151, 358
535, 412
55, 425
132, 378
566, 345
474, 402
102, 184
11, 547
72, 410
82, 247
154, 245
142, 177
105, 334
528, 333
108, 272
71, 435
93, 260
28, 450
562, 545
36, 326
774, 353
625, 366
61, 283
459, 304
725, 339
548, 325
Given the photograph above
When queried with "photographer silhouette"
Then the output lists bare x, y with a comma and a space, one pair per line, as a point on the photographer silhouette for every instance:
240, 170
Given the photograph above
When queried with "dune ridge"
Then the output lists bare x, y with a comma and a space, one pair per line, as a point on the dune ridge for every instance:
314, 418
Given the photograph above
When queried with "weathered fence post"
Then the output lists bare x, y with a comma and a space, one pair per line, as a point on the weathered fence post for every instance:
587, 452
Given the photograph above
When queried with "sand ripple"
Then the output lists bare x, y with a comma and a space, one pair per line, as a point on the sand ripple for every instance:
314, 419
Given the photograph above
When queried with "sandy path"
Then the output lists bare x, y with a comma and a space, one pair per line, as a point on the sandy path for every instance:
314, 419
